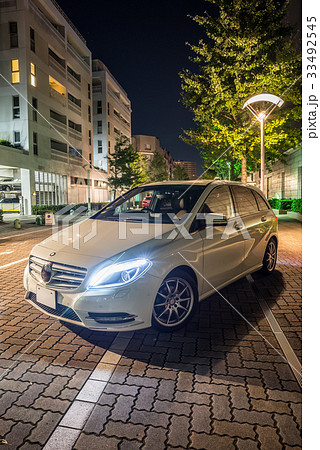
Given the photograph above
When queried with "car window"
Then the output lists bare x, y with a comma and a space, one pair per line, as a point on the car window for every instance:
245, 200
219, 201
262, 204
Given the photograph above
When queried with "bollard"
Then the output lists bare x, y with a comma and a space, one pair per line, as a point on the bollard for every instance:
17, 224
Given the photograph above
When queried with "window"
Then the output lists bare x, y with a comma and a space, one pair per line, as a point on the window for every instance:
147, 147
245, 200
15, 74
89, 113
77, 152
99, 107
75, 126
59, 117
33, 74
109, 127
89, 91
116, 113
109, 146
34, 109
13, 30
99, 146
57, 58
74, 100
219, 202
32, 40
60, 146
90, 158
35, 143
58, 87
75, 75
262, 205
89, 137
108, 109
16, 138
116, 131
16, 106
99, 127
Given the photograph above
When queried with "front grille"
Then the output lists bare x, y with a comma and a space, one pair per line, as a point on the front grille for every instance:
64, 276
61, 310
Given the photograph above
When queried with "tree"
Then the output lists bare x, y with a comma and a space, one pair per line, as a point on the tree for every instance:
127, 168
247, 51
157, 168
179, 173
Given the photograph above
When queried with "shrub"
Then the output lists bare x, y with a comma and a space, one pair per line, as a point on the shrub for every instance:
296, 205
41, 209
1, 215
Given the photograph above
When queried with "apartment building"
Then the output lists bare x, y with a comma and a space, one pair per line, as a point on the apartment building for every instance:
45, 105
147, 145
111, 113
190, 167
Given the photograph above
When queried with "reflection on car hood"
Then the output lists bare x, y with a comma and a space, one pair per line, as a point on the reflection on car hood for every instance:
103, 239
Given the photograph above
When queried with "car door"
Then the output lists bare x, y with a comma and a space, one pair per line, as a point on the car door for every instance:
255, 222
223, 246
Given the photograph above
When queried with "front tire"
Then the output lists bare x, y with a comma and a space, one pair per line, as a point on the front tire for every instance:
270, 257
175, 303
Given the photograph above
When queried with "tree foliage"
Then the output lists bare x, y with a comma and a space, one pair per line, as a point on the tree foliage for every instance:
157, 168
127, 167
247, 51
179, 173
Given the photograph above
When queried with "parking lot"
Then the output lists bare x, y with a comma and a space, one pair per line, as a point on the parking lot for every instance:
222, 382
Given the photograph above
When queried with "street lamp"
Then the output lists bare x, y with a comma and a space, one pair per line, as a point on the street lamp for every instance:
262, 117
88, 178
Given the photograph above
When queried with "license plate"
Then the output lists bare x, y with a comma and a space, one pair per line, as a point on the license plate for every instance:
46, 297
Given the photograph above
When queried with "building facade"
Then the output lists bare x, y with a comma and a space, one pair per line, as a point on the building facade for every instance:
111, 113
190, 167
147, 145
45, 106
283, 180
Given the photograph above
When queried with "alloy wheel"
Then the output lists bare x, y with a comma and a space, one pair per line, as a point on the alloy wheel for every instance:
271, 256
174, 302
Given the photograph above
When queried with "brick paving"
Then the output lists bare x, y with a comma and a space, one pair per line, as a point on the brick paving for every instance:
215, 384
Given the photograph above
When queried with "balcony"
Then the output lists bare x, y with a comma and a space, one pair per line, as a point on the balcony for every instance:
60, 98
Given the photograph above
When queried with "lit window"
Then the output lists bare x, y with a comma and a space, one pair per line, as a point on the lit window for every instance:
33, 74
15, 74
58, 87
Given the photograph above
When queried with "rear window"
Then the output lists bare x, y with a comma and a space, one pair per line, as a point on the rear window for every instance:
245, 200
262, 204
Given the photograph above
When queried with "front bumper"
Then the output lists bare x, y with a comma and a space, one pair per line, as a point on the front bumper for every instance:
112, 309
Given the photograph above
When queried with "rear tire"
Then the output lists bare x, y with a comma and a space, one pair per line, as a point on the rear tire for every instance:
175, 303
270, 257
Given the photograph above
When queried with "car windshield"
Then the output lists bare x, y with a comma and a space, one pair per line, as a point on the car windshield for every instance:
154, 201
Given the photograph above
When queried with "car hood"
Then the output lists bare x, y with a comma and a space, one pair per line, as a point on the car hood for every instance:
98, 239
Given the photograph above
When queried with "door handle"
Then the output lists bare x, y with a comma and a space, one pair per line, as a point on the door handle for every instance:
237, 226
263, 218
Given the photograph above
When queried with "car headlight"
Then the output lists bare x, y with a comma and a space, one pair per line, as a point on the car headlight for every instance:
119, 274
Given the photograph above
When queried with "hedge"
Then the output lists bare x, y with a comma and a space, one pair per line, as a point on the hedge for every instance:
294, 204
42, 209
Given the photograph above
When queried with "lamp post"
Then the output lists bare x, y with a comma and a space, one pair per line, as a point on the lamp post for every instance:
262, 117
88, 178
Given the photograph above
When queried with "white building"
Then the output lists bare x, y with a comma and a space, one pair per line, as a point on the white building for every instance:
111, 113
45, 105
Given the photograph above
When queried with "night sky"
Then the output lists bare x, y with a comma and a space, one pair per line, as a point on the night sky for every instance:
143, 44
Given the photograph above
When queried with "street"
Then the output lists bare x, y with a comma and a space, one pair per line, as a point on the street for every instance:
219, 383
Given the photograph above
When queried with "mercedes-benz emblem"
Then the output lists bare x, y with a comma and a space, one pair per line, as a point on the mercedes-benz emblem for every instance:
52, 254
46, 272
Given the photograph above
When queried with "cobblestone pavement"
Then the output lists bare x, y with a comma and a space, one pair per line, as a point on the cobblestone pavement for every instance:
217, 384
